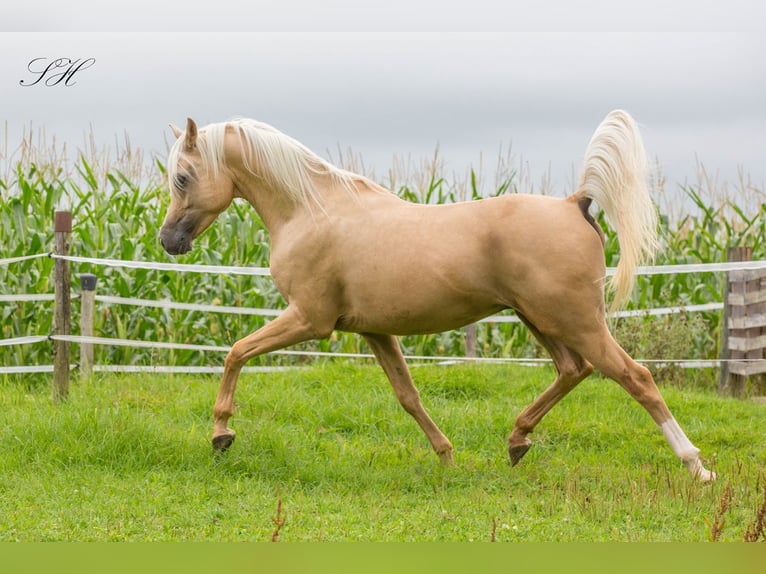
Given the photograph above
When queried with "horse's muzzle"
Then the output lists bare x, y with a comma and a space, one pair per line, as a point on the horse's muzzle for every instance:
175, 243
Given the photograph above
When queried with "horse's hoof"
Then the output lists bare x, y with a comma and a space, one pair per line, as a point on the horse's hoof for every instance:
517, 451
222, 442
446, 457
699, 472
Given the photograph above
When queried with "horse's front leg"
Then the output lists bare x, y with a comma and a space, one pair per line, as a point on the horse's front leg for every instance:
389, 354
289, 328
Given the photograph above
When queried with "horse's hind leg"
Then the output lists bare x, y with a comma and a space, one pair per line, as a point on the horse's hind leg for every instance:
572, 369
609, 358
389, 355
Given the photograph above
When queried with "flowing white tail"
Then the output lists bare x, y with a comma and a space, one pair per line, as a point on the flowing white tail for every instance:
614, 176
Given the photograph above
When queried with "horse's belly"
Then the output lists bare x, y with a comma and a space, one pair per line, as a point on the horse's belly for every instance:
399, 316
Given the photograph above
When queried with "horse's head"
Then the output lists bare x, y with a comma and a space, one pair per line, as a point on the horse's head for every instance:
199, 191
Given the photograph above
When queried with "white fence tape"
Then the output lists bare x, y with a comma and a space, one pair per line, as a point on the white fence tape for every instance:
168, 304
158, 369
439, 360
697, 268
264, 271
216, 269
225, 309
28, 369
23, 297
226, 349
622, 314
138, 344
193, 369
22, 258
702, 307
23, 340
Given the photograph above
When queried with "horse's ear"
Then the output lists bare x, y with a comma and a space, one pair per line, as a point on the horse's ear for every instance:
190, 143
176, 130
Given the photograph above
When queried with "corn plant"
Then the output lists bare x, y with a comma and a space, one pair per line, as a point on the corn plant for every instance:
118, 211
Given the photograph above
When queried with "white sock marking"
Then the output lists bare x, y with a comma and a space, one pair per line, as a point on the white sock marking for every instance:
678, 440
685, 450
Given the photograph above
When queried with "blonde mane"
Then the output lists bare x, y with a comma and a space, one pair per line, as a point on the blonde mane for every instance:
284, 163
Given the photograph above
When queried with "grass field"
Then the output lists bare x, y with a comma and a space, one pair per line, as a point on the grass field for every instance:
128, 458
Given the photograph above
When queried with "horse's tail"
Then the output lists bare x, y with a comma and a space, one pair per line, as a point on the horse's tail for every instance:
614, 176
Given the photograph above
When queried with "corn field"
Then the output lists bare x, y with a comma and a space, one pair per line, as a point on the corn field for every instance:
118, 208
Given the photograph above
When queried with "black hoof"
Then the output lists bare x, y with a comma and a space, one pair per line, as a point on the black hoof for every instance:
221, 443
517, 452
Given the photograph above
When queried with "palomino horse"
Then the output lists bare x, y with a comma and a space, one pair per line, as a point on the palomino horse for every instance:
347, 254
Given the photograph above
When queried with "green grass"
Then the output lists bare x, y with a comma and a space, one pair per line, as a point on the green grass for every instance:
128, 458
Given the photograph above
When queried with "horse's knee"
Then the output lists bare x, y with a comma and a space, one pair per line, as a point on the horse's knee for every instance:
235, 357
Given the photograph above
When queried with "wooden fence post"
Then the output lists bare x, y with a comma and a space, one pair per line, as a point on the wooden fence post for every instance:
470, 340
87, 304
744, 325
62, 304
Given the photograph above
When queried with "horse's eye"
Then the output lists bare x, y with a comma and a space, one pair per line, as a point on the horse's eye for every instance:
181, 180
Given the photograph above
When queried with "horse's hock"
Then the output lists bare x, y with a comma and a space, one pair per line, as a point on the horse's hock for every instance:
744, 330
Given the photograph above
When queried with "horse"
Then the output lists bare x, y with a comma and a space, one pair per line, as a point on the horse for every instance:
349, 255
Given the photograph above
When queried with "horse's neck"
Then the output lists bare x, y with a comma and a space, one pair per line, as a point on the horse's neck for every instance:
272, 207
276, 208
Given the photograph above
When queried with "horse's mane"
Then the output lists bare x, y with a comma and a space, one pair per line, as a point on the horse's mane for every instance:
285, 163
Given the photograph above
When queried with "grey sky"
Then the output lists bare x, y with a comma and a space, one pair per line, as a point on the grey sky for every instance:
382, 15
381, 93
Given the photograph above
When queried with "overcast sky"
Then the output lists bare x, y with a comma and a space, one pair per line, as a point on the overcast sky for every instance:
515, 77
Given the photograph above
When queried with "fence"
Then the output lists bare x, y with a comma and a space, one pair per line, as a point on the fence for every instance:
751, 363
744, 330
